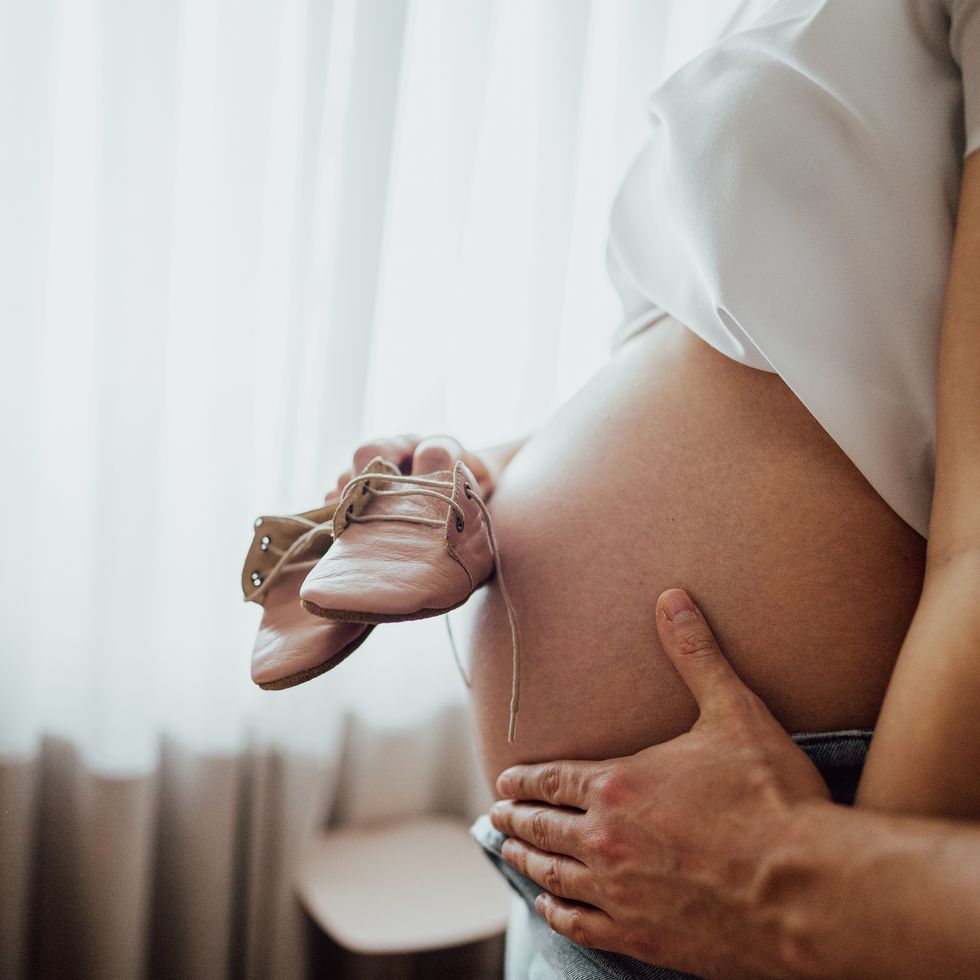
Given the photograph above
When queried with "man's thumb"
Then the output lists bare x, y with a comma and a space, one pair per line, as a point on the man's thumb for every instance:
693, 650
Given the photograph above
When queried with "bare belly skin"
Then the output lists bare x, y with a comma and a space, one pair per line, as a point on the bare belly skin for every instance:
676, 466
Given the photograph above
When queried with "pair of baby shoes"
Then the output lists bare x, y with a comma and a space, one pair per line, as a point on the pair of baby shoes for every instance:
391, 547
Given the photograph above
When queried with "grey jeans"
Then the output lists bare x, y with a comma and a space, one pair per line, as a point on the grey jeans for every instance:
534, 952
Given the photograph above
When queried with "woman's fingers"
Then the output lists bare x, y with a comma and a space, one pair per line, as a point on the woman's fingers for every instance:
437, 453
397, 450
420, 456
342, 482
441, 453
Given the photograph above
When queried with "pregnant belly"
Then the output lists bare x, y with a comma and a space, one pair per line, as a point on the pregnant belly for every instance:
676, 466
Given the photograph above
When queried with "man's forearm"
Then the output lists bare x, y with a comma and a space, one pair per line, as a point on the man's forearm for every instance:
861, 894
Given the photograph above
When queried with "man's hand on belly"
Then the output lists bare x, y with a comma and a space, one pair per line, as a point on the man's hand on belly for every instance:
666, 855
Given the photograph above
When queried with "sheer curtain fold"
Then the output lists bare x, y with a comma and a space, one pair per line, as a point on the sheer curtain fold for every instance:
235, 239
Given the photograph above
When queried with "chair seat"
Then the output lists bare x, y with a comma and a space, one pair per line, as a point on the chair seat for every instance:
404, 887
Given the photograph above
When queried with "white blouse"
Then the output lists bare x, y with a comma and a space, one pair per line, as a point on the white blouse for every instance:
795, 207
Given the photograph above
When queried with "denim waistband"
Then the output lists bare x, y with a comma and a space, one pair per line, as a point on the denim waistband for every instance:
838, 755
840, 758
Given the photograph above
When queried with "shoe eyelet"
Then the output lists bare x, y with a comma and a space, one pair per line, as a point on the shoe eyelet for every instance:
257, 522
364, 488
468, 491
460, 524
265, 542
256, 579
350, 510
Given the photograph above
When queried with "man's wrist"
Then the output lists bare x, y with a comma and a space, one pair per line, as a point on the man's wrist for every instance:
835, 866
863, 894
796, 881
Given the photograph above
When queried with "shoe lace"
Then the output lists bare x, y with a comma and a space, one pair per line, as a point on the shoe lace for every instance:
313, 530
428, 487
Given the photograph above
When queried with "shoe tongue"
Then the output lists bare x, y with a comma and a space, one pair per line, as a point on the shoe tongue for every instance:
380, 465
414, 503
445, 475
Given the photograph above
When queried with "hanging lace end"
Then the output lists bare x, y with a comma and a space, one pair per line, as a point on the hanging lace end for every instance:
515, 637
456, 656
515, 683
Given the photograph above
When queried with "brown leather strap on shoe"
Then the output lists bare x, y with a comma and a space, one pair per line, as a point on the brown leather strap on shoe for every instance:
276, 539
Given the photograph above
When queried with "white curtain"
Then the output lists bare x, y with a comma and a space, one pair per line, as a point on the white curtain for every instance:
236, 237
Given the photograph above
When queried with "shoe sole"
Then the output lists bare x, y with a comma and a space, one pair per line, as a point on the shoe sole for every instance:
373, 619
307, 675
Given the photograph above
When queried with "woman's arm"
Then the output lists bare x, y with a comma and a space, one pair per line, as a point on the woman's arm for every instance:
499, 457
926, 752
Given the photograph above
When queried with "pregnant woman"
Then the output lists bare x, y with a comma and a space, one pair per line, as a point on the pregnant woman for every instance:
764, 433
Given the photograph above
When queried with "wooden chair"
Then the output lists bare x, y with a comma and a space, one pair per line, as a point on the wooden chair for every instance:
410, 899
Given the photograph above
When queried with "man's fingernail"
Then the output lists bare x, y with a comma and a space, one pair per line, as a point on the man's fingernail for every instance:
677, 606
504, 780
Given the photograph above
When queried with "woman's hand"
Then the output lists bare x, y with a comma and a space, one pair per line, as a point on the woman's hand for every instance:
413, 454
666, 855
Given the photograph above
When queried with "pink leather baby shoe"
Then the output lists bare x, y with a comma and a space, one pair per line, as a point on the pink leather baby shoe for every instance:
408, 547
292, 646
405, 547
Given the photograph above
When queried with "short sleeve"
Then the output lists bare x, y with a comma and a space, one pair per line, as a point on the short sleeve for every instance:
964, 43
